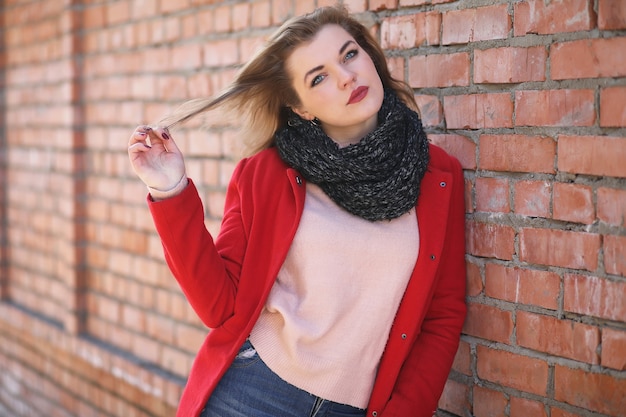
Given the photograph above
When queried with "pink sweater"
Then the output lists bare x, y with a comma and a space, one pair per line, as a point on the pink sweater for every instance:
327, 319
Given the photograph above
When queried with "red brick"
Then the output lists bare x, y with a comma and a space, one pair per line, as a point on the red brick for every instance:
474, 280
588, 58
516, 153
522, 407
260, 14
512, 370
463, 359
564, 338
532, 198
613, 106
510, 65
461, 147
615, 255
431, 110
476, 111
488, 322
117, 12
143, 9
555, 108
589, 390
383, 4
223, 19
170, 6
425, 70
221, 53
241, 16
593, 155
573, 203
455, 397
614, 349
410, 31
594, 296
577, 250
556, 16
488, 403
612, 206
475, 24
522, 286
611, 14
93, 16
490, 240
557, 412
492, 195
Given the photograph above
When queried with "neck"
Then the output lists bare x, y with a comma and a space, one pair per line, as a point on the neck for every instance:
345, 136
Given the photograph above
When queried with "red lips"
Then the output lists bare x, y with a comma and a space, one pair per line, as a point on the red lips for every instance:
358, 94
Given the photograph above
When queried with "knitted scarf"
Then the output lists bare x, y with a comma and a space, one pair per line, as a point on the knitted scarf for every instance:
377, 178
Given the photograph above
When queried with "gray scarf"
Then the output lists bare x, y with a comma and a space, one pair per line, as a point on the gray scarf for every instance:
377, 178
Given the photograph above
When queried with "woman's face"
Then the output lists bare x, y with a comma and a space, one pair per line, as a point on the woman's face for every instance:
337, 82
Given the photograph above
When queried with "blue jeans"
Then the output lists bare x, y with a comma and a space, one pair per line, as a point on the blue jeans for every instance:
250, 389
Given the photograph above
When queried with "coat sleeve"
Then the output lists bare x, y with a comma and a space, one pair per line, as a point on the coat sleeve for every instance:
206, 270
425, 371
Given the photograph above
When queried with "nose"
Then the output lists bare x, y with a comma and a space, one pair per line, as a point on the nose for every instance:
346, 77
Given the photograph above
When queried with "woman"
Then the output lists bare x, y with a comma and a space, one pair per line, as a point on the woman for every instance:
336, 286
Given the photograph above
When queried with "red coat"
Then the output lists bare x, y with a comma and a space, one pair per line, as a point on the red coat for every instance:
228, 280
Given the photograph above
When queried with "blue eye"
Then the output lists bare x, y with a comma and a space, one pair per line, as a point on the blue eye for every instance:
351, 54
316, 80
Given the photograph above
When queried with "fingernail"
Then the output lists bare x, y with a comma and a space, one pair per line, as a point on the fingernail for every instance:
148, 128
165, 136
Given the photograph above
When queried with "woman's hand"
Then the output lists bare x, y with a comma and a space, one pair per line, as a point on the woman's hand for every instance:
157, 161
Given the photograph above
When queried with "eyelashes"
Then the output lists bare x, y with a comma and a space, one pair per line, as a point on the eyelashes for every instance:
351, 54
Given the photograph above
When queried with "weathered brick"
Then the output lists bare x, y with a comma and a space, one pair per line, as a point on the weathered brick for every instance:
516, 153
498, 328
590, 390
577, 250
615, 254
475, 24
613, 107
490, 240
554, 108
532, 198
557, 16
611, 205
558, 337
512, 370
573, 203
614, 349
588, 58
409, 31
611, 14
592, 155
594, 296
424, 70
477, 111
522, 286
492, 195
510, 65
488, 402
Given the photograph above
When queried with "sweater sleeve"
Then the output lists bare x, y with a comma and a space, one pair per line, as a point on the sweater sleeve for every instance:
206, 270
424, 373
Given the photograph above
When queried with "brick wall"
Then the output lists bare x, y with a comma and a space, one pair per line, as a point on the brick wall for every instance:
530, 95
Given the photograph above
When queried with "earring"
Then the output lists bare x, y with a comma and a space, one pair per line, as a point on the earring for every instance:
315, 121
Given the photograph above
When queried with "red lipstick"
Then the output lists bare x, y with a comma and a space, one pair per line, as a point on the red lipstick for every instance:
358, 94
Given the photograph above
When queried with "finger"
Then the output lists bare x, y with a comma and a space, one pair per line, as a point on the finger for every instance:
170, 143
137, 136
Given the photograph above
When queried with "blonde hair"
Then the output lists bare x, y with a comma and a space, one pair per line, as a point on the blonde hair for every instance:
262, 92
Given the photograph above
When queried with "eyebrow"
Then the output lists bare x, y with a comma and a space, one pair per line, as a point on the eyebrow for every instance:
319, 67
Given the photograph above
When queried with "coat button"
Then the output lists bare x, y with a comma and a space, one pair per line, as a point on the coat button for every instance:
374, 413
442, 184
432, 257
403, 336
299, 180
